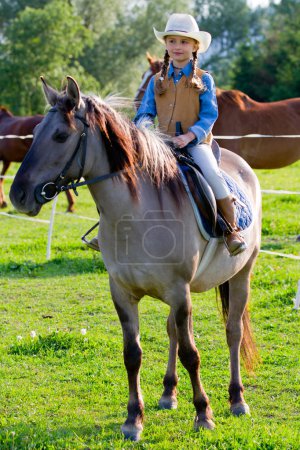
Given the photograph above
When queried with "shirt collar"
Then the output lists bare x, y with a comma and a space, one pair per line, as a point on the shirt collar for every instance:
186, 70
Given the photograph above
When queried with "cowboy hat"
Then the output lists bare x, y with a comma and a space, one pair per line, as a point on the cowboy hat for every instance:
184, 25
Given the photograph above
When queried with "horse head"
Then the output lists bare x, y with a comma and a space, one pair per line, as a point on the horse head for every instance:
51, 161
154, 67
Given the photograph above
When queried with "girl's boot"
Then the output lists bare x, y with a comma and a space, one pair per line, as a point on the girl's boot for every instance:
233, 240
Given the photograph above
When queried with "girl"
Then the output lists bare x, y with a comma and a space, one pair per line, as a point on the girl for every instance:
182, 92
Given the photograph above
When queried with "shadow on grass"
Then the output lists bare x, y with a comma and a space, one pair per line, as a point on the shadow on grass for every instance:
56, 267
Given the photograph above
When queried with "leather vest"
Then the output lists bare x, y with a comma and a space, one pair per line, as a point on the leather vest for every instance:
179, 103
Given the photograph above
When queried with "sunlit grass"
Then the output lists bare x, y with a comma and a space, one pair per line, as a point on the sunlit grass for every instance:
62, 389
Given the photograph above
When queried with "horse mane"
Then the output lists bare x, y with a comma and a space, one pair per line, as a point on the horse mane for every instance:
129, 149
5, 111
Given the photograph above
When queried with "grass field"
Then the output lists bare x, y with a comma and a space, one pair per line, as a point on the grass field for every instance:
66, 390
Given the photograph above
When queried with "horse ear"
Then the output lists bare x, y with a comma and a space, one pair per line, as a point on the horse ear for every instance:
50, 93
149, 58
73, 92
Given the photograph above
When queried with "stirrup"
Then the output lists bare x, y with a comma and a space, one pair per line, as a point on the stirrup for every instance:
93, 243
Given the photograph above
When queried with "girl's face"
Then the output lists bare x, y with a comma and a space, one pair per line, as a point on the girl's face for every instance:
180, 49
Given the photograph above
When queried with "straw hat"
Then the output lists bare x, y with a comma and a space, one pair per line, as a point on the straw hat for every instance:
184, 25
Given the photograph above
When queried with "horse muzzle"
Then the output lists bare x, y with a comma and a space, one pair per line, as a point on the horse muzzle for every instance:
23, 200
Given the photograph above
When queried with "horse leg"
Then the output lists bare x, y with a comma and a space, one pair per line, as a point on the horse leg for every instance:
168, 399
127, 308
238, 333
5, 166
189, 356
71, 201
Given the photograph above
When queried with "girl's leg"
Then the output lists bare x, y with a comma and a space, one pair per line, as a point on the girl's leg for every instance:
204, 158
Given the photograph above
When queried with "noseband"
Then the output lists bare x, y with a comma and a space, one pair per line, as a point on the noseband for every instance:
45, 192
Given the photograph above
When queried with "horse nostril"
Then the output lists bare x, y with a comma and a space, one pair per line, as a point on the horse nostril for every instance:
17, 195
22, 196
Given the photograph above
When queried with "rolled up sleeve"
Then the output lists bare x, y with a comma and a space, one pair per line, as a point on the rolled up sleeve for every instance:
208, 110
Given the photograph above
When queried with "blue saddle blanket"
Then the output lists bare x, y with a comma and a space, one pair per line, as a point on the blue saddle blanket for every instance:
244, 214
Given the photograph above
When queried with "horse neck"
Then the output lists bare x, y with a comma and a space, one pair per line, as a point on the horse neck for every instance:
5, 112
112, 195
143, 86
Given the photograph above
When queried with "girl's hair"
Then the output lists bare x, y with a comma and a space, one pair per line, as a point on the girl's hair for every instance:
160, 88
196, 82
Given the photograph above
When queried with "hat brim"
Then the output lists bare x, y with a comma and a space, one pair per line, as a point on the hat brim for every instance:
203, 37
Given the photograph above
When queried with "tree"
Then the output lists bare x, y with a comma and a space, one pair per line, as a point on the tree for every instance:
117, 58
35, 44
9, 9
229, 22
269, 69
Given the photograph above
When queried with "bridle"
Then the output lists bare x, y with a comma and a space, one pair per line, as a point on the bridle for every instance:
47, 191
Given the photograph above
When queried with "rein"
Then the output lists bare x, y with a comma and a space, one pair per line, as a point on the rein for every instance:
45, 192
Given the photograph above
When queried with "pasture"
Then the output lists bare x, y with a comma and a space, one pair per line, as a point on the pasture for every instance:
68, 390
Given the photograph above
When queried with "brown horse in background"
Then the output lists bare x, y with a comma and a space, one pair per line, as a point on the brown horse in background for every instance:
239, 115
15, 149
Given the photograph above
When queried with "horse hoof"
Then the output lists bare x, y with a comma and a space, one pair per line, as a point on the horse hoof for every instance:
131, 432
206, 424
168, 403
240, 409
3, 205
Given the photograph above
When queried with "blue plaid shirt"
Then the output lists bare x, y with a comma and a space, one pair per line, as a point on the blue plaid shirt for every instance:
208, 103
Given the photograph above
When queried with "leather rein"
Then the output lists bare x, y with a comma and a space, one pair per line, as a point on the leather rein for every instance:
47, 191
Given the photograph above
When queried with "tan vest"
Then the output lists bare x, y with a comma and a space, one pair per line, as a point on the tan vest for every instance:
180, 103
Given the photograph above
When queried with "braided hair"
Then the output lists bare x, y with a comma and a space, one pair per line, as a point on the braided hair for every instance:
196, 82
159, 87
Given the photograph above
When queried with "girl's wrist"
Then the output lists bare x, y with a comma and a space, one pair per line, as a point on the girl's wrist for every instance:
191, 136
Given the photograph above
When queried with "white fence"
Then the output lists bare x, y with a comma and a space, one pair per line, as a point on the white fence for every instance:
51, 220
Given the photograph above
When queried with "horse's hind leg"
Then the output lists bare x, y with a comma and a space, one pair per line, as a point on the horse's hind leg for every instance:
239, 335
168, 399
127, 309
5, 166
182, 310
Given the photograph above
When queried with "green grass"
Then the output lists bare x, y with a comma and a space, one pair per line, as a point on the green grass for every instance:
65, 390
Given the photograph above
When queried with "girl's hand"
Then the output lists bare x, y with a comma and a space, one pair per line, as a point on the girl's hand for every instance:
184, 139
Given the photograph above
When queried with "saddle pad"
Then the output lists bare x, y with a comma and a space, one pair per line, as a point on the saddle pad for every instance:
244, 214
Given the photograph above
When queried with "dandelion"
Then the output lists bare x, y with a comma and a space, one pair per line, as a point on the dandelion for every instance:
83, 331
32, 334
19, 338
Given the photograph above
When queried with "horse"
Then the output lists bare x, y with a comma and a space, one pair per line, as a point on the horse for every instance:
240, 115
15, 149
150, 241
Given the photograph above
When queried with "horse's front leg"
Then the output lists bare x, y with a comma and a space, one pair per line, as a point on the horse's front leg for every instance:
5, 166
168, 399
127, 308
182, 310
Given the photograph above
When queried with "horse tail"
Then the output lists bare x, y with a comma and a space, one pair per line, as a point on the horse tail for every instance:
248, 347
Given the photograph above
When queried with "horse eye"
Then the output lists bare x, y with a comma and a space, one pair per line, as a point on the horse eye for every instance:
60, 136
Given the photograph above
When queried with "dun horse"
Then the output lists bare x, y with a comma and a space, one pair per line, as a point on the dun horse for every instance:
150, 241
15, 149
239, 115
